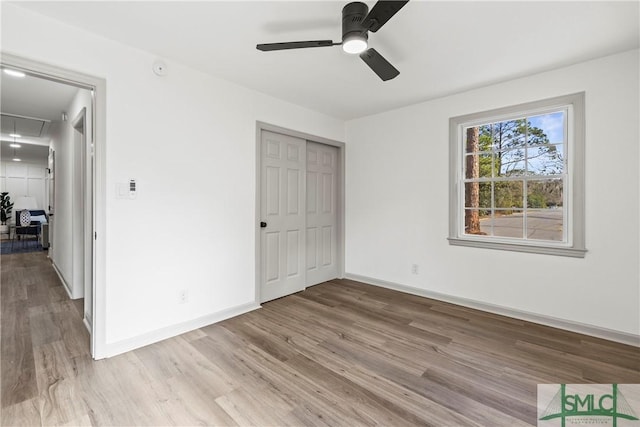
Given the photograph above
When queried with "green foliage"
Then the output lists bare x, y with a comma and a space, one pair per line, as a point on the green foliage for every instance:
508, 194
544, 194
507, 141
6, 207
515, 148
536, 201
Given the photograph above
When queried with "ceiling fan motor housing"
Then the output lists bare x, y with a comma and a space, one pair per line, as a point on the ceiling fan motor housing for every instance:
352, 16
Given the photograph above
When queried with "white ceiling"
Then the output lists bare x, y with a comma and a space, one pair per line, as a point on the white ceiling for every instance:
440, 47
34, 97
28, 153
30, 104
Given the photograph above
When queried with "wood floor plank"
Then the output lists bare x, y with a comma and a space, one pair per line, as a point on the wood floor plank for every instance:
184, 405
341, 353
381, 410
432, 414
12, 288
248, 408
17, 364
44, 329
60, 402
25, 413
299, 387
176, 359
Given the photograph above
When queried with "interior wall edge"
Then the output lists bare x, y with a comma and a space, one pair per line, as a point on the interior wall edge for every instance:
87, 323
129, 344
555, 322
65, 284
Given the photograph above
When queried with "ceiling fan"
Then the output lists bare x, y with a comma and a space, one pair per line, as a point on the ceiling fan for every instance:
357, 21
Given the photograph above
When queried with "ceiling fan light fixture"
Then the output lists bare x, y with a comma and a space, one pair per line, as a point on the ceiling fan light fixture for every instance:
354, 44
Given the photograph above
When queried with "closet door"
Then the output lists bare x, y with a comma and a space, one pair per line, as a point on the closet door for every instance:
282, 215
322, 217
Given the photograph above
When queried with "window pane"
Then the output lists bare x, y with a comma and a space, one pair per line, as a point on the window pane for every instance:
510, 163
508, 223
546, 129
477, 195
486, 223
477, 165
545, 224
474, 220
485, 137
479, 138
545, 160
544, 194
472, 140
509, 194
508, 135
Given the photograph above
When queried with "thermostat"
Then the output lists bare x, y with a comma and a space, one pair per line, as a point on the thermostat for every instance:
132, 188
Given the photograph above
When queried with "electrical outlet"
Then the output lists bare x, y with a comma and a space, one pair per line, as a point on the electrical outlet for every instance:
414, 268
184, 296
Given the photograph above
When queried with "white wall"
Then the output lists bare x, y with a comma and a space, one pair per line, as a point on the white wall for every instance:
189, 141
67, 233
24, 179
62, 221
397, 202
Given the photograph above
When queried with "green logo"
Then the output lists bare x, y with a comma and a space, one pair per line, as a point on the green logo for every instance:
606, 405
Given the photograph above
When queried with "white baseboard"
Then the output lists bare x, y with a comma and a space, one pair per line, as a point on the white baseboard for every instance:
64, 282
87, 323
65, 285
119, 347
569, 325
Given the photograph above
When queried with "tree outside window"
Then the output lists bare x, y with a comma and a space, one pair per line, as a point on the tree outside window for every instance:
514, 177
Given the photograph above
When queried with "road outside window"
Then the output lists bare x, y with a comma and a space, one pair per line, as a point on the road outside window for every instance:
514, 179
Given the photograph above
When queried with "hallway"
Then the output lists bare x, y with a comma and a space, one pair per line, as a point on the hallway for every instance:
38, 321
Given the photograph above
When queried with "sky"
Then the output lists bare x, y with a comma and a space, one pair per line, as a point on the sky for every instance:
552, 124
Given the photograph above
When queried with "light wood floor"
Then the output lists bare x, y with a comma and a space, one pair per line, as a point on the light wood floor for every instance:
338, 354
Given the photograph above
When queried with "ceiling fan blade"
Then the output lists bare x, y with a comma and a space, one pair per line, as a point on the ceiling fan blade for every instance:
379, 65
381, 13
294, 45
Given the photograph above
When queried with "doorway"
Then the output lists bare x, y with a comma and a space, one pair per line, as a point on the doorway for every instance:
85, 133
300, 209
82, 202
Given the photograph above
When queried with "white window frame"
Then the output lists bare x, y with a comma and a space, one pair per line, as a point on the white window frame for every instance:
574, 223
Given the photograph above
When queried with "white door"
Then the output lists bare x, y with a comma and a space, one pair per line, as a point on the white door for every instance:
322, 233
282, 214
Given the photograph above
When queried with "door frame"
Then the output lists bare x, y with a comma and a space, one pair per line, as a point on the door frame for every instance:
97, 206
262, 126
78, 229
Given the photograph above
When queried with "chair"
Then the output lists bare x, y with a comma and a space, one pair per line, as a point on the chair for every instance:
25, 227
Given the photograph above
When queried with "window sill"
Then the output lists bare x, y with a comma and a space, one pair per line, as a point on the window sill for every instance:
514, 247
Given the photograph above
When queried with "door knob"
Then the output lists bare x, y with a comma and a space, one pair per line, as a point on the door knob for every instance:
263, 224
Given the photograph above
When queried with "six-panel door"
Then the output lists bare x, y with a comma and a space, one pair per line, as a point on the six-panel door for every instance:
282, 208
321, 206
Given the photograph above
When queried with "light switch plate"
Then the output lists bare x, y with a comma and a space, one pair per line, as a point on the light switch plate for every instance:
122, 190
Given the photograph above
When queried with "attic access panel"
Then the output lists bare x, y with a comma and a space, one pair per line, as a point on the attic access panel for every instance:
24, 126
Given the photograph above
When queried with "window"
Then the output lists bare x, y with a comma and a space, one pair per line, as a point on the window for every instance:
517, 178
